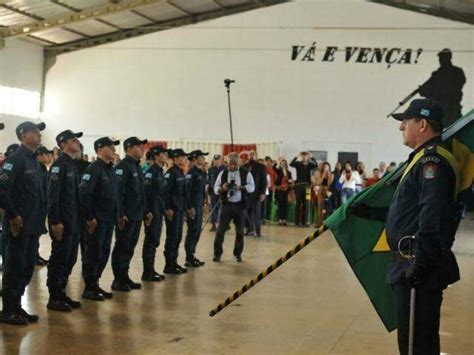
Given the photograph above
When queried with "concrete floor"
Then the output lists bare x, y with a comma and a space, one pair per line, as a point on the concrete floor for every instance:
311, 305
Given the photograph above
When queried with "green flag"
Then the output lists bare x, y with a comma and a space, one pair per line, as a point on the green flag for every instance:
363, 241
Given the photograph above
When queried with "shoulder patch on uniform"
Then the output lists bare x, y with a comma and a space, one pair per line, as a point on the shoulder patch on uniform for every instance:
430, 158
188, 176
55, 169
167, 175
429, 171
86, 177
119, 172
148, 175
8, 166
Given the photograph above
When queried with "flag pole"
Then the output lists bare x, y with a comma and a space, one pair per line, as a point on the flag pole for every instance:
267, 271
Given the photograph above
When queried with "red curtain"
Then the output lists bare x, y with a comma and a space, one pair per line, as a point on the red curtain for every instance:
227, 148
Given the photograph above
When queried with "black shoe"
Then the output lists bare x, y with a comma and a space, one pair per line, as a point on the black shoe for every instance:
171, 269
92, 295
238, 258
182, 269
151, 277
163, 277
191, 263
216, 259
31, 318
201, 263
41, 262
134, 285
59, 305
213, 228
107, 295
73, 304
14, 319
121, 286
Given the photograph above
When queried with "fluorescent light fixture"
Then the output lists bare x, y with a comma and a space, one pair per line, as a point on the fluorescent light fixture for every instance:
19, 102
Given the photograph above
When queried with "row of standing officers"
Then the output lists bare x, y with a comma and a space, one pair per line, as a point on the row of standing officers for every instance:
85, 210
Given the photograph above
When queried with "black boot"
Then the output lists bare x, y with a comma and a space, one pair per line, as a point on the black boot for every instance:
92, 294
151, 276
213, 228
120, 286
58, 305
107, 295
182, 269
70, 301
171, 269
133, 285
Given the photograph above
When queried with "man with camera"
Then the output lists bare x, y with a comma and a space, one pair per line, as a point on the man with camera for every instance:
233, 185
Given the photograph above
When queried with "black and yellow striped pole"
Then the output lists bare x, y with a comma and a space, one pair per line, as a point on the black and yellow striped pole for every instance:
268, 271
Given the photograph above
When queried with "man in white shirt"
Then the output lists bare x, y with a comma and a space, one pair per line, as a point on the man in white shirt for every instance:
233, 184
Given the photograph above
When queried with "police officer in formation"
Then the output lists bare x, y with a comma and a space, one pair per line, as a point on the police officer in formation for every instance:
22, 196
64, 220
421, 224
233, 185
44, 156
132, 204
175, 208
196, 179
155, 204
99, 208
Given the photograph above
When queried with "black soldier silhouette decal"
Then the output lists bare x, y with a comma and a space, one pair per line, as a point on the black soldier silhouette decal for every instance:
445, 87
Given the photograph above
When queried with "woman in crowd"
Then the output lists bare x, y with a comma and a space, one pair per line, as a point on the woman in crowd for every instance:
336, 186
360, 168
349, 180
323, 180
283, 184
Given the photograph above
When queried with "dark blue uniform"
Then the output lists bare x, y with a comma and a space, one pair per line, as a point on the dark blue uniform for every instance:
21, 194
154, 191
212, 175
175, 199
196, 195
63, 207
98, 199
132, 202
424, 206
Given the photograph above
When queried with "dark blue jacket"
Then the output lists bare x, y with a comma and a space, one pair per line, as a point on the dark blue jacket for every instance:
63, 194
424, 206
196, 187
154, 189
130, 189
98, 192
22, 191
175, 190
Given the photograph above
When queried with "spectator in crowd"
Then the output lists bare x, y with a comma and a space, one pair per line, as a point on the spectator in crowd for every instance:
283, 185
216, 167
382, 168
270, 165
349, 180
336, 186
304, 165
323, 180
391, 167
259, 174
360, 168
374, 178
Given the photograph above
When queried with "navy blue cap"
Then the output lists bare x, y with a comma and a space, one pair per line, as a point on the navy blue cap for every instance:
104, 142
12, 148
197, 153
29, 126
422, 108
65, 135
175, 153
158, 149
43, 150
2, 126
132, 141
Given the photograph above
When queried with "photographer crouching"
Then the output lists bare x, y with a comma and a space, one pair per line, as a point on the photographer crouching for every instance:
233, 185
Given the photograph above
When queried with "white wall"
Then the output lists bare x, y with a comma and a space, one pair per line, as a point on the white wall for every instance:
169, 85
21, 66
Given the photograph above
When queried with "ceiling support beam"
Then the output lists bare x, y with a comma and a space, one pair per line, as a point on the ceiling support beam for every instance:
81, 15
160, 26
